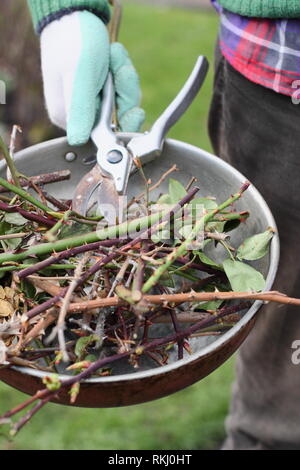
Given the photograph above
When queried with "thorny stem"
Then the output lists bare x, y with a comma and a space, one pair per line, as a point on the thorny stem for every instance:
51, 235
43, 221
66, 255
64, 308
104, 261
48, 178
24, 420
10, 163
46, 394
27, 197
156, 185
181, 250
118, 231
165, 299
177, 330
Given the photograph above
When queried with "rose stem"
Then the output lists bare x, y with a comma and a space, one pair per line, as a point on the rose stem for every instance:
24, 420
55, 202
179, 251
27, 215
83, 240
271, 296
24, 195
10, 163
93, 270
66, 255
92, 237
47, 178
177, 330
100, 363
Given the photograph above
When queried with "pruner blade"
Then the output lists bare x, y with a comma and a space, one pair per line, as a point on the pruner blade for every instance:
110, 203
85, 190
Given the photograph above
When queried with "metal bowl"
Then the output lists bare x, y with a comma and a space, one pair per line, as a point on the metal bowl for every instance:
215, 178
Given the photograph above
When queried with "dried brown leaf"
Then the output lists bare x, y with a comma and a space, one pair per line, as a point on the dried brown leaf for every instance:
6, 309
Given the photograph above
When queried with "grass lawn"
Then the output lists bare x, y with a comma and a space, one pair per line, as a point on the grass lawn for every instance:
164, 44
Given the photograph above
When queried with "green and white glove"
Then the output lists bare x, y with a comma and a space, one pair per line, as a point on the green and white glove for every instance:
76, 57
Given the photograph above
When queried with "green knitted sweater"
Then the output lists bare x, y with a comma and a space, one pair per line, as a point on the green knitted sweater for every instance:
264, 8
45, 11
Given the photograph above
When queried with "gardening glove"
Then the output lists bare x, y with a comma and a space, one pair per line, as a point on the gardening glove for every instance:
76, 57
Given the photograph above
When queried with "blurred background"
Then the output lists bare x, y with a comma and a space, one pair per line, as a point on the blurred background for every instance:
164, 38
20, 70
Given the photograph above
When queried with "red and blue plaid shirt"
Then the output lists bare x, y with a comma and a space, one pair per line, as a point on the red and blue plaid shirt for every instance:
266, 51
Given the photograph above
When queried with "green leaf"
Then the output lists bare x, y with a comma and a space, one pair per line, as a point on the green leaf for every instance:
242, 277
167, 280
207, 204
213, 305
255, 247
15, 219
41, 297
176, 191
28, 289
13, 243
74, 229
185, 231
206, 260
164, 199
215, 227
90, 358
83, 343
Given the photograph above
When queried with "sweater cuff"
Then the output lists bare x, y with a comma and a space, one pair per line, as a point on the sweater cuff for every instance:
44, 12
263, 8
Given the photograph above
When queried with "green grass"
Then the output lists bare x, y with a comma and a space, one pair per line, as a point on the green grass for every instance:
164, 44
190, 419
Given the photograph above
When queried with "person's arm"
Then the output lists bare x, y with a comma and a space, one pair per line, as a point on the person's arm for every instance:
263, 8
76, 57
45, 11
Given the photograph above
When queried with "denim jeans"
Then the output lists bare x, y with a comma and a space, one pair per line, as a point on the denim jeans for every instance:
258, 132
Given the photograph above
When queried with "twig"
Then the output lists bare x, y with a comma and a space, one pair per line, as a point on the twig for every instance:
46, 394
177, 330
43, 221
11, 236
55, 202
13, 137
138, 164
27, 197
156, 185
192, 297
10, 163
64, 255
59, 330
40, 180
104, 261
190, 183
19, 425
49, 318
181, 249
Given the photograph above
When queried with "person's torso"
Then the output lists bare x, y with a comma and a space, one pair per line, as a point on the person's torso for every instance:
266, 51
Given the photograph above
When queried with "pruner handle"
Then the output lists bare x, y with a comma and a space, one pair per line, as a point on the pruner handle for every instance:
149, 145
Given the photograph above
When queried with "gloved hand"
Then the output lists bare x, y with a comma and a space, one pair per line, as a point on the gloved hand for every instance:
76, 57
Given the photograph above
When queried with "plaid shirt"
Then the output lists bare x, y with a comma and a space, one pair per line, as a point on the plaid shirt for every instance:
266, 51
